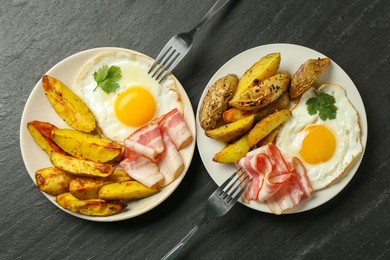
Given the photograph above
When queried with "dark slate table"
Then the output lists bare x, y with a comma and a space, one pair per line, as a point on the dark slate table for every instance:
35, 35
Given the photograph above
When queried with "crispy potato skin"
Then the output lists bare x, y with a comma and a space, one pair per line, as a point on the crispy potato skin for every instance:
80, 167
233, 152
128, 190
52, 180
68, 105
267, 125
90, 207
87, 146
261, 70
216, 101
305, 76
263, 94
232, 131
41, 133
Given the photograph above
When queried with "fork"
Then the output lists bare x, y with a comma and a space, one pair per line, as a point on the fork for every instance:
178, 46
218, 204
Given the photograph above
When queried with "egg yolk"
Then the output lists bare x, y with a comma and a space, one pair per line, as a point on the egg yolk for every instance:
135, 107
318, 145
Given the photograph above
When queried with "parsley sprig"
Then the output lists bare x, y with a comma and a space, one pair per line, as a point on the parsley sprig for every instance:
107, 78
324, 104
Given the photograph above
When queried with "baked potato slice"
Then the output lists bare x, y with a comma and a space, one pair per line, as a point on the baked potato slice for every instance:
233, 114
261, 70
118, 175
282, 102
216, 101
232, 131
263, 94
86, 146
68, 105
90, 207
80, 167
267, 125
305, 76
233, 152
269, 138
41, 133
128, 190
52, 180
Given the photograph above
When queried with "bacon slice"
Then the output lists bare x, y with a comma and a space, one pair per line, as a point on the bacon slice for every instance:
171, 164
146, 141
141, 169
174, 124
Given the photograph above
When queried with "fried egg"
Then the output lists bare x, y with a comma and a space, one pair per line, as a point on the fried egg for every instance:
139, 99
326, 148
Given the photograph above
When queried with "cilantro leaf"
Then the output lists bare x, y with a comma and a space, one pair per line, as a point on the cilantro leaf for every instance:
324, 105
107, 78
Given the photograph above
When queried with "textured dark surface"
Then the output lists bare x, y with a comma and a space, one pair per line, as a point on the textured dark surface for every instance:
35, 35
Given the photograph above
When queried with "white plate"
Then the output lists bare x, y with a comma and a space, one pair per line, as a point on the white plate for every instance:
292, 56
39, 108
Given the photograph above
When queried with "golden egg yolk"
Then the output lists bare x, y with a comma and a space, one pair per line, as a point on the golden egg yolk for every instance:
135, 107
318, 145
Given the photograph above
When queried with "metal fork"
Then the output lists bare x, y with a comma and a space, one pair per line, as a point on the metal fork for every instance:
218, 204
178, 46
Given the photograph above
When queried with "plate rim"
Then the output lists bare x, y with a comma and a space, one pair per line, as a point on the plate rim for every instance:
346, 178
23, 134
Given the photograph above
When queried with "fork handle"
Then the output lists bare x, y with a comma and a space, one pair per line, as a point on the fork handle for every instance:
213, 10
176, 250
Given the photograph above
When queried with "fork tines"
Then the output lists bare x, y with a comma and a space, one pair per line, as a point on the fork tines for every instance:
167, 57
238, 185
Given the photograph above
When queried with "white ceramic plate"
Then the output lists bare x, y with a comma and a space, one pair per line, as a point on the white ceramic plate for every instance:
39, 108
292, 56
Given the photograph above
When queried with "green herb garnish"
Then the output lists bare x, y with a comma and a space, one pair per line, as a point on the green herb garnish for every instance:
324, 104
107, 78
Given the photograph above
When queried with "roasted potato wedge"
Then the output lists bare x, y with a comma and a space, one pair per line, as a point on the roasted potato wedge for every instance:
267, 125
269, 138
216, 101
232, 131
128, 190
80, 166
68, 105
282, 102
91, 207
41, 133
263, 94
305, 76
261, 70
88, 188
233, 152
86, 146
233, 114
52, 180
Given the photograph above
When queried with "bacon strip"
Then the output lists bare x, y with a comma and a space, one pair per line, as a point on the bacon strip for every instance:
171, 164
174, 124
141, 169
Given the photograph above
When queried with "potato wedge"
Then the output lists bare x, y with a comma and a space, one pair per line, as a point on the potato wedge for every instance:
232, 131
216, 101
261, 70
282, 102
269, 138
80, 166
91, 207
41, 133
233, 114
233, 152
263, 94
305, 76
86, 146
52, 180
128, 190
266, 125
68, 105
88, 188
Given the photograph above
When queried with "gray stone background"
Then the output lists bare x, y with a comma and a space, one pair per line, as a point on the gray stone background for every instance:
35, 35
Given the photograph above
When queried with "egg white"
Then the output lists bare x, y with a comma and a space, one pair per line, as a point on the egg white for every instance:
134, 70
345, 127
